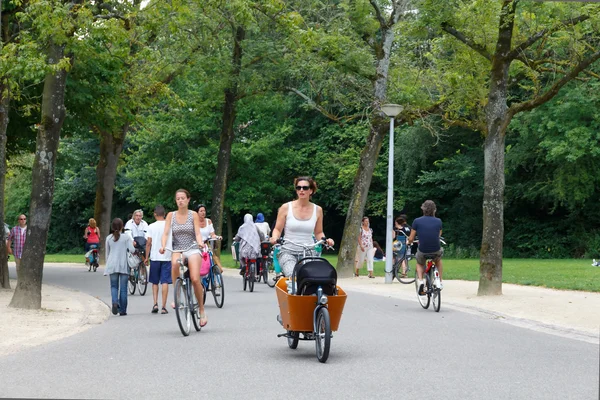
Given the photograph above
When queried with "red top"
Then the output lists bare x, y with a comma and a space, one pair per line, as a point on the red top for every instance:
92, 235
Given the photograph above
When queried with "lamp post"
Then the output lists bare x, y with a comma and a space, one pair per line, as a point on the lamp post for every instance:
391, 110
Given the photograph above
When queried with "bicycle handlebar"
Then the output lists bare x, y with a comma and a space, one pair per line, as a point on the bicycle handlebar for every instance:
323, 241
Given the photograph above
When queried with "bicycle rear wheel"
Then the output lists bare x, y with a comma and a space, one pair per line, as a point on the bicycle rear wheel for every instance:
218, 289
425, 299
182, 309
407, 278
270, 271
142, 283
323, 334
132, 282
245, 276
436, 299
252, 277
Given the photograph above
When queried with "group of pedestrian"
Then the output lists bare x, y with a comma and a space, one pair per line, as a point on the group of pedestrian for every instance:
428, 228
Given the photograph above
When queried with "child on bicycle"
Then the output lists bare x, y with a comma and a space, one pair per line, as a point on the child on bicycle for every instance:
429, 229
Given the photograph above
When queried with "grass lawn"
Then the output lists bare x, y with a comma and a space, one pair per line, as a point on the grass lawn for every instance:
573, 274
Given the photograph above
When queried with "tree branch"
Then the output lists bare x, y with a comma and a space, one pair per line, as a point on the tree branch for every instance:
553, 91
466, 40
378, 14
313, 104
545, 32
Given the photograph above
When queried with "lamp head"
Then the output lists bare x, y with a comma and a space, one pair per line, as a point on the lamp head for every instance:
391, 110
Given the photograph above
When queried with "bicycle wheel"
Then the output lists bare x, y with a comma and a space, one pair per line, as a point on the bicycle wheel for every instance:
142, 283
425, 299
218, 289
89, 266
407, 279
252, 277
132, 282
182, 309
323, 334
194, 309
270, 271
293, 339
245, 278
436, 299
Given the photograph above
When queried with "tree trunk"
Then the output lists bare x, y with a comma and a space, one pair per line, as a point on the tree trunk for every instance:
490, 267
28, 293
227, 136
368, 159
497, 120
111, 145
229, 227
4, 109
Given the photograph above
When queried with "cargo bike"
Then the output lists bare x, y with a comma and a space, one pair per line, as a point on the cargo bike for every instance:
310, 302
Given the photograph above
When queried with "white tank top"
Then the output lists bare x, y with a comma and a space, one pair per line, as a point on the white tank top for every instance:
207, 230
298, 230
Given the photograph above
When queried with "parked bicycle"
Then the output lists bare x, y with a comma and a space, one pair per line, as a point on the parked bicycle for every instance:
186, 304
213, 282
402, 262
431, 281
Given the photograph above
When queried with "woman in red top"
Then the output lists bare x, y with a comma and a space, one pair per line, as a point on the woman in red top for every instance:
91, 235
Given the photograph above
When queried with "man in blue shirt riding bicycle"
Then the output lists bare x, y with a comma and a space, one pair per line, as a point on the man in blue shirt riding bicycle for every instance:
429, 229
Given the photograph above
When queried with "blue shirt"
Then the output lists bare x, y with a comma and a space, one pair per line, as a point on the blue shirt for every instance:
428, 230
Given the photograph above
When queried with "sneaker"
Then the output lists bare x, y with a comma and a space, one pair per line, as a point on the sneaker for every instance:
440, 285
421, 288
115, 308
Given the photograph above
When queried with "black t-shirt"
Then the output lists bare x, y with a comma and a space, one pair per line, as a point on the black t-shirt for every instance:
428, 230
400, 235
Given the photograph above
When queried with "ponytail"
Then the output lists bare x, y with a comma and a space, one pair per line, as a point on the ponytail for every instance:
117, 227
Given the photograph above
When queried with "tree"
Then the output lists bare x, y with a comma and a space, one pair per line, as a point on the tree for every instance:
19, 63
57, 28
530, 57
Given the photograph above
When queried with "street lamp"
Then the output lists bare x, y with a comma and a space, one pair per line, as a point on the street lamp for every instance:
391, 110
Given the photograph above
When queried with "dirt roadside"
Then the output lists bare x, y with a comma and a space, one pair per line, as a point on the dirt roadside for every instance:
64, 312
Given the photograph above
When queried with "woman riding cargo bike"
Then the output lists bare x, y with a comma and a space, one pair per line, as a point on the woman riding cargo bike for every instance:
310, 302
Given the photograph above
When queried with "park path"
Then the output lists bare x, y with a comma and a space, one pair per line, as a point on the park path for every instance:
386, 348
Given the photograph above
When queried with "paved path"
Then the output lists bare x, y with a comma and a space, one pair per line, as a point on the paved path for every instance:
386, 348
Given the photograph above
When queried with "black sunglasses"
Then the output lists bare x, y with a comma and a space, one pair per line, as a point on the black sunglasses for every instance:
305, 188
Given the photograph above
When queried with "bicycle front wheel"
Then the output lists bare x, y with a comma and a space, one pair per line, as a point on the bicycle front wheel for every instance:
323, 334
194, 309
132, 282
142, 283
218, 289
270, 273
426, 298
182, 309
405, 277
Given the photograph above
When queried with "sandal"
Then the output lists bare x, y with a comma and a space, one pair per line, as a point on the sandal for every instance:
203, 317
163, 311
371, 276
155, 309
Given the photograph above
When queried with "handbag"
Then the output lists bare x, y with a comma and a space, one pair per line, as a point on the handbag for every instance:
132, 260
205, 266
